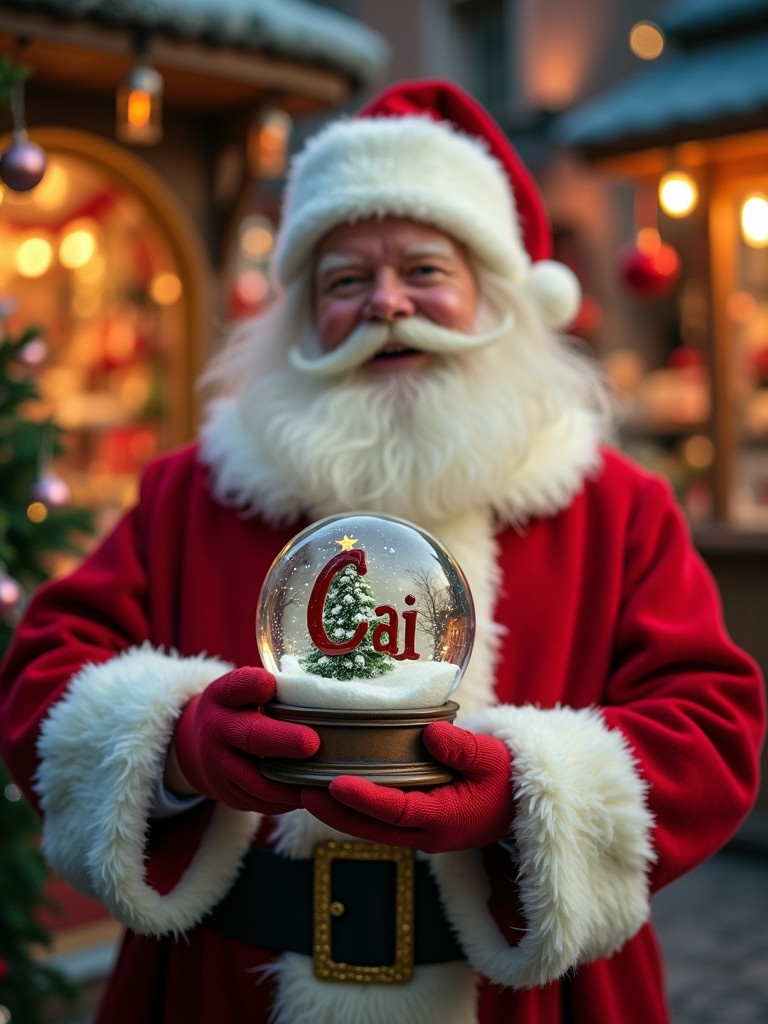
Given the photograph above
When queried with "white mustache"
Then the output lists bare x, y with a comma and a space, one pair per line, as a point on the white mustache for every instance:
368, 339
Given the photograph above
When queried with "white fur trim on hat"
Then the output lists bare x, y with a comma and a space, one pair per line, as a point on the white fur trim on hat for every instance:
102, 749
410, 167
556, 290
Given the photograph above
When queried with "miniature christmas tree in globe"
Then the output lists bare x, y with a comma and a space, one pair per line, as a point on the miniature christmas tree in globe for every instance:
349, 603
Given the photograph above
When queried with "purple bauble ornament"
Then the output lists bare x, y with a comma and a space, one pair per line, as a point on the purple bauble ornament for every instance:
22, 165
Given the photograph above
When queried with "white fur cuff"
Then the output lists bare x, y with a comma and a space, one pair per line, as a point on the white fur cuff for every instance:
584, 836
102, 749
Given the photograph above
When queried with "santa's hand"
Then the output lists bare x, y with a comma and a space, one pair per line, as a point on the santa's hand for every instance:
474, 810
223, 732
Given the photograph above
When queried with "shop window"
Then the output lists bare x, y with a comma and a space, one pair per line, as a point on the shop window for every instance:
744, 342
84, 259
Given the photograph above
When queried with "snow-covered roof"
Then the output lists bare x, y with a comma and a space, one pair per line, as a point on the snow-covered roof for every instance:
714, 81
294, 29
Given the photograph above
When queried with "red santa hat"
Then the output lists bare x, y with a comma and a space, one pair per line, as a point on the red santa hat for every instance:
427, 151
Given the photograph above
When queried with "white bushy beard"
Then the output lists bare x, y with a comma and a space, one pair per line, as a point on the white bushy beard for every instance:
426, 444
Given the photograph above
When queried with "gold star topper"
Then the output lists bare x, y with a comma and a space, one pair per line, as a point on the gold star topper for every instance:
347, 543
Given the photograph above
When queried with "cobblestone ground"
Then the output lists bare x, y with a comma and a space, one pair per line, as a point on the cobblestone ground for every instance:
713, 925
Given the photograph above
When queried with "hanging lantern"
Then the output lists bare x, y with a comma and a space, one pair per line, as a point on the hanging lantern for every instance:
268, 144
139, 110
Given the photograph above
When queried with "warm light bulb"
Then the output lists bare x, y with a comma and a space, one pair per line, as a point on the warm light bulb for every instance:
754, 221
678, 193
165, 288
646, 40
139, 108
77, 248
34, 257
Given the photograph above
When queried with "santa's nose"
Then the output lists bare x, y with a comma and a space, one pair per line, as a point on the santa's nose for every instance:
388, 299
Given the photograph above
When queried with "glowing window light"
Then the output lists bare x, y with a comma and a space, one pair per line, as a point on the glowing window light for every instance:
165, 289
646, 40
34, 257
648, 240
52, 190
258, 240
754, 221
77, 248
678, 193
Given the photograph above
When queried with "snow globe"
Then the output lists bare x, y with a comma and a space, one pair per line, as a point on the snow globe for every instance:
367, 623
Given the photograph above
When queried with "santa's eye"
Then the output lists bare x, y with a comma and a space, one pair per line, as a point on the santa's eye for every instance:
343, 282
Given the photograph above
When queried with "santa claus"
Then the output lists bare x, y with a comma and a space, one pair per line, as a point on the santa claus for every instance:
609, 729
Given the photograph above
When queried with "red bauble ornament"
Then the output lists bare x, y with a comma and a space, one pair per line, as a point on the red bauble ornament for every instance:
11, 594
650, 273
22, 165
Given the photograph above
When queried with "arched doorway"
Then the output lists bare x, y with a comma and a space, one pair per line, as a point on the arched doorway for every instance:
103, 259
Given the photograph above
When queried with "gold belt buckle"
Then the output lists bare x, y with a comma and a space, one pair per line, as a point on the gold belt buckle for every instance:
326, 908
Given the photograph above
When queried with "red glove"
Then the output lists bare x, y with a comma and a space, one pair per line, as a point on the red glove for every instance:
221, 734
472, 811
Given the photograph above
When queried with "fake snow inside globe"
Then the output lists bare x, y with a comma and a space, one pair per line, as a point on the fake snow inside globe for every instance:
365, 612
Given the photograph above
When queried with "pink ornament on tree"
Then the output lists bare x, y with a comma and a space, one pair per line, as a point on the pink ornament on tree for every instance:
11, 594
34, 353
51, 490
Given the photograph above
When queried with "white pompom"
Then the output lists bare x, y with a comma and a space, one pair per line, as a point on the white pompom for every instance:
556, 290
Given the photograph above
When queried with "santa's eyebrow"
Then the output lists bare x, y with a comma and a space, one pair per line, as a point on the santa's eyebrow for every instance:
331, 261
440, 247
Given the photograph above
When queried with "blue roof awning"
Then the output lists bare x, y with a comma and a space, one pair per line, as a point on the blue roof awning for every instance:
712, 89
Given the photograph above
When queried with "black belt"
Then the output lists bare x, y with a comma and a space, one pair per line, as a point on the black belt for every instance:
363, 911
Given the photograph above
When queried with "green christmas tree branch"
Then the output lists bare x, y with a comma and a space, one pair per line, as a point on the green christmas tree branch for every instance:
26, 547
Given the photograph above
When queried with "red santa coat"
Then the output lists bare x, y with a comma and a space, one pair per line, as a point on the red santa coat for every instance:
634, 725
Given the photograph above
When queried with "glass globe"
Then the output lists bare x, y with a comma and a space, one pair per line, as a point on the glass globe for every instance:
365, 611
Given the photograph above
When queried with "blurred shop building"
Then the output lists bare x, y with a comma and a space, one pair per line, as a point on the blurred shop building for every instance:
689, 132
646, 126
165, 127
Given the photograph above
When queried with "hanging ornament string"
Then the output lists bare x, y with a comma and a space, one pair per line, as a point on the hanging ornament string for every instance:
650, 268
23, 164
49, 488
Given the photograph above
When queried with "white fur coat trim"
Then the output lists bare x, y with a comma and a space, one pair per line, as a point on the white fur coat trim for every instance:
102, 749
437, 992
560, 458
583, 833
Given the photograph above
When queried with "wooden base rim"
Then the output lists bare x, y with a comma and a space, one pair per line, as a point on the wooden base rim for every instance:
383, 746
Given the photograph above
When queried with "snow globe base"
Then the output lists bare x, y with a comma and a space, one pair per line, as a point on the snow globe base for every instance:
383, 746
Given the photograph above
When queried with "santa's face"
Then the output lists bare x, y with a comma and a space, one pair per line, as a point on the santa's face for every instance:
385, 272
